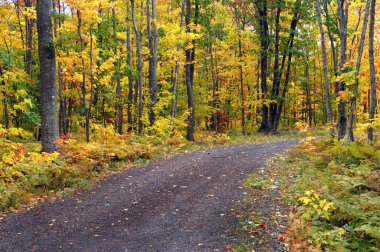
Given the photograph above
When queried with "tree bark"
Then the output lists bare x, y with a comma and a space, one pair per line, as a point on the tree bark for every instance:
130, 77
29, 41
325, 65
119, 103
190, 57
242, 93
139, 67
350, 132
5, 102
343, 21
153, 48
288, 53
177, 68
372, 108
88, 108
331, 37
276, 67
49, 118
262, 6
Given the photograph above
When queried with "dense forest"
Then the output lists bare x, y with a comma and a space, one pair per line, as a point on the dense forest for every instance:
87, 83
194, 65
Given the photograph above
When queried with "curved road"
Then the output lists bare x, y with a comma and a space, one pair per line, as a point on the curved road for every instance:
185, 203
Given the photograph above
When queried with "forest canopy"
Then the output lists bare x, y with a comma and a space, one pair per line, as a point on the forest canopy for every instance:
191, 65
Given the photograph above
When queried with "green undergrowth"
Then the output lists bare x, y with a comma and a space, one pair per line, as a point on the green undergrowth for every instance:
28, 176
336, 196
263, 218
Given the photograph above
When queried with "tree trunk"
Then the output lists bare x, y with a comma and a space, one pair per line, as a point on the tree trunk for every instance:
343, 20
190, 57
139, 67
88, 109
242, 94
276, 67
372, 108
325, 65
49, 118
350, 133
153, 41
215, 87
5, 103
119, 103
261, 6
29, 41
331, 37
130, 79
177, 68
308, 92
289, 53
63, 125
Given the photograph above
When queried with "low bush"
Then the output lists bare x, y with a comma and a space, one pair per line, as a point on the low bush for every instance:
337, 196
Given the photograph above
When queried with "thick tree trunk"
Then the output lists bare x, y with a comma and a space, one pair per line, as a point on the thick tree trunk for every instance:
350, 125
261, 6
190, 57
343, 21
49, 118
276, 67
372, 107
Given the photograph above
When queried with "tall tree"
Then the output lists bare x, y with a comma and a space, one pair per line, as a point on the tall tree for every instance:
153, 48
176, 79
29, 23
49, 118
139, 67
130, 75
262, 16
373, 105
343, 7
119, 103
289, 54
350, 125
325, 65
276, 66
190, 57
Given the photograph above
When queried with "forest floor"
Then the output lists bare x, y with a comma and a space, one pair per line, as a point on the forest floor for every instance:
189, 202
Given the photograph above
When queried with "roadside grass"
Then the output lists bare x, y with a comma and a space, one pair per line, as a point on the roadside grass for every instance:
333, 191
28, 177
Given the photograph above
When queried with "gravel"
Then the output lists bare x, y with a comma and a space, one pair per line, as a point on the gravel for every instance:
188, 202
